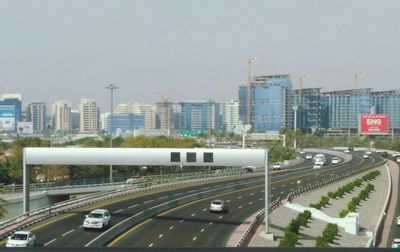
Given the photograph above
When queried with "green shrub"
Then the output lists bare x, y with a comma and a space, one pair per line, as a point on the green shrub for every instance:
321, 242
302, 219
317, 206
340, 192
363, 195
356, 201
332, 195
308, 214
290, 239
324, 201
351, 206
330, 232
370, 187
343, 213
295, 226
358, 182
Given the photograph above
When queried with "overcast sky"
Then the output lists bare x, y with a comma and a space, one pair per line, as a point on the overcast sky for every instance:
191, 49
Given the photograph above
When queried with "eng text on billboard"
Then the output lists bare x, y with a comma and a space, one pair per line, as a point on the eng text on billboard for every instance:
374, 124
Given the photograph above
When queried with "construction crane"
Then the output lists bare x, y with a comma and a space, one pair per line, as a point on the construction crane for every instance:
249, 87
300, 77
356, 77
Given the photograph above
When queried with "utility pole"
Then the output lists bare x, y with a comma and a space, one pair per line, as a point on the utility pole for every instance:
111, 87
249, 87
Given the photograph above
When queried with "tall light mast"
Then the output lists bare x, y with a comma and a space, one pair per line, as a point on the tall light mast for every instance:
249, 87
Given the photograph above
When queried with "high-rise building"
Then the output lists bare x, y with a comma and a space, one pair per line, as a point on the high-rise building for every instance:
229, 116
388, 102
146, 110
75, 120
309, 109
199, 115
123, 123
270, 105
89, 115
10, 111
61, 116
36, 112
165, 116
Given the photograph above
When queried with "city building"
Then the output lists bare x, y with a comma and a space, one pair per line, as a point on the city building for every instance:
61, 116
229, 116
146, 110
36, 112
388, 102
345, 106
270, 104
89, 115
199, 116
165, 116
75, 120
10, 112
123, 123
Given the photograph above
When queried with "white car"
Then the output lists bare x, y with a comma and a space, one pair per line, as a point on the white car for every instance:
346, 151
218, 206
368, 152
302, 151
336, 160
365, 156
98, 218
398, 220
277, 166
309, 156
21, 239
396, 243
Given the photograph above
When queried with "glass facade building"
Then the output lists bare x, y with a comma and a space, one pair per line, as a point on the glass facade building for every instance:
124, 122
199, 116
310, 109
388, 102
270, 105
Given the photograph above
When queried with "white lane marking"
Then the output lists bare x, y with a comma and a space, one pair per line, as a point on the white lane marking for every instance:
273, 188
261, 199
251, 194
240, 207
148, 201
291, 189
70, 231
262, 191
120, 210
151, 245
281, 192
47, 243
193, 214
161, 235
194, 238
176, 194
250, 203
283, 185
202, 230
163, 197
228, 201
192, 191
171, 227
220, 217
205, 209
292, 183
182, 220
210, 223
134, 206
239, 197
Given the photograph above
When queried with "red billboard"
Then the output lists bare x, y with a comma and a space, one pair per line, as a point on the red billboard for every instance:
374, 124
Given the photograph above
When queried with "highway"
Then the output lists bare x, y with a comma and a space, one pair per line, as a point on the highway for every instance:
190, 224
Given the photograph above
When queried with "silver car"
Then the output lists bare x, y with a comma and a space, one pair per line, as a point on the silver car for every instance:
218, 206
98, 218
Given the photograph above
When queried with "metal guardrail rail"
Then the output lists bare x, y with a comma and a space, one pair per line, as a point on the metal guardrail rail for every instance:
32, 217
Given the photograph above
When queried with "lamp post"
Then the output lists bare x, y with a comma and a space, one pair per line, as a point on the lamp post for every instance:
295, 125
111, 87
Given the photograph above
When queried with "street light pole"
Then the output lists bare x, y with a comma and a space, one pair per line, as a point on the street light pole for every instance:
111, 87
295, 125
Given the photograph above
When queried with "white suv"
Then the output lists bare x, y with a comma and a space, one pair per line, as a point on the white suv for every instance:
98, 218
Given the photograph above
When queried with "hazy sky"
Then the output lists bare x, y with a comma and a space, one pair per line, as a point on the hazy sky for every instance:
191, 49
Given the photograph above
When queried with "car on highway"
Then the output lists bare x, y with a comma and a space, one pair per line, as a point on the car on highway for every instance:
302, 151
336, 160
396, 243
21, 239
365, 156
368, 152
346, 151
98, 219
134, 180
248, 168
218, 206
398, 220
309, 156
277, 166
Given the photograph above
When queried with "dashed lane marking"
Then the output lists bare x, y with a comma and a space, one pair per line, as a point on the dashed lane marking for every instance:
193, 214
148, 201
151, 245
47, 243
202, 230
194, 238
171, 227
220, 217
182, 220
160, 236
70, 231
239, 206
163, 197
120, 210
134, 206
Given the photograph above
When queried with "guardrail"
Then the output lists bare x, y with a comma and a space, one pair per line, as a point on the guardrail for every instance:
260, 216
32, 217
256, 223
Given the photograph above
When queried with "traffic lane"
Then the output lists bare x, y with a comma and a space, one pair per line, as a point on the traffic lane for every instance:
67, 230
394, 228
189, 224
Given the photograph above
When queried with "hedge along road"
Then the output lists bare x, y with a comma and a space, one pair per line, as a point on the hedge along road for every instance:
191, 225
66, 229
